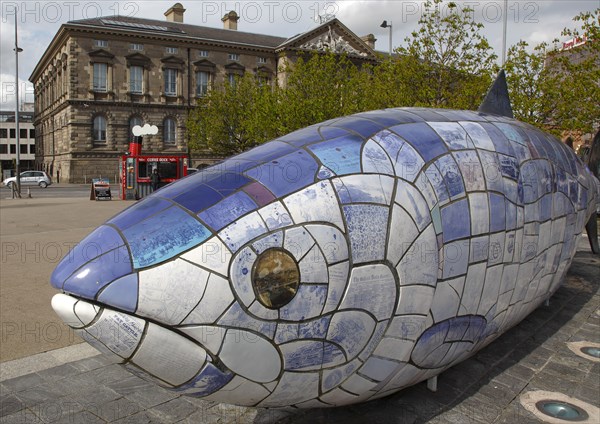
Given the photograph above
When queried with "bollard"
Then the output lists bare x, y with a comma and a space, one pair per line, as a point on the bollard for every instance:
29, 192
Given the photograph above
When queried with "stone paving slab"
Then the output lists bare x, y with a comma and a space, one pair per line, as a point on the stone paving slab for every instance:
484, 389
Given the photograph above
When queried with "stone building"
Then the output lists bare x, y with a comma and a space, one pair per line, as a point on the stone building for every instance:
100, 77
8, 140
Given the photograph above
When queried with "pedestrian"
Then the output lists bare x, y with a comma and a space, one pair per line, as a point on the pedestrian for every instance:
155, 179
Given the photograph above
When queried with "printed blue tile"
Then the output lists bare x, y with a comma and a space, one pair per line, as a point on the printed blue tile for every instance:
365, 189
491, 171
390, 142
199, 198
460, 115
266, 152
452, 176
308, 303
522, 152
226, 184
287, 173
509, 166
351, 330
139, 211
376, 160
364, 127
470, 169
545, 208
242, 230
512, 132
227, 210
329, 133
303, 137
93, 276
236, 317
423, 138
428, 114
121, 293
408, 163
208, 381
456, 221
497, 213
367, 229
341, 155
103, 239
332, 355
315, 329
325, 173
302, 354
453, 135
478, 135
388, 117
164, 236
437, 182
499, 139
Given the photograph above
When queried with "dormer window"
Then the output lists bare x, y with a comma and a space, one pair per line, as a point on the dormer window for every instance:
234, 57
172, 50
100, 43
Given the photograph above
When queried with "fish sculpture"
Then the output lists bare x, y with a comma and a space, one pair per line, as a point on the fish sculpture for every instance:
337, 264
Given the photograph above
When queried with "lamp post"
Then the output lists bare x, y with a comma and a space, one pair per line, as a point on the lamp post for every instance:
17, 132
385, 24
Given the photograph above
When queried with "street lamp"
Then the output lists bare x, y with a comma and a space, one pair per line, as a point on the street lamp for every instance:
17, 132
385, 24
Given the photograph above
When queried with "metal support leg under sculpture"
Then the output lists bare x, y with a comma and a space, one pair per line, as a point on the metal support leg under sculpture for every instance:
592, 232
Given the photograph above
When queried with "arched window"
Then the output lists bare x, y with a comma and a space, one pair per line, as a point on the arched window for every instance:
169, 132
99, 130
133, 121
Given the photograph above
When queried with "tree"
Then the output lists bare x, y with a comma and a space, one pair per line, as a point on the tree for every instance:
232, 118
447, 59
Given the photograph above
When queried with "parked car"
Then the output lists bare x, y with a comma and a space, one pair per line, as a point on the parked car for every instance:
28, 178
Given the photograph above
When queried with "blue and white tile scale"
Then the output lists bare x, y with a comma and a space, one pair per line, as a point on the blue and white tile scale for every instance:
419, 237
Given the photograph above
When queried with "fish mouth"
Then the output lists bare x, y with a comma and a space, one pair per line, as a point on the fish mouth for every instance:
147, 349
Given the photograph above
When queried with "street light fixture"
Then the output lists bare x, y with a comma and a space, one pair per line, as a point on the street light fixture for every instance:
17, 50
385, 24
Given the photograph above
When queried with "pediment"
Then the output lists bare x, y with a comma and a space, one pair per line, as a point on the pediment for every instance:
172, 60
137, 57
204, 63
101, 54
234, 67
332, 36
263, 70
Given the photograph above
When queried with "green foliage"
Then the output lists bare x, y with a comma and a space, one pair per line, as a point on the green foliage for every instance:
447, 59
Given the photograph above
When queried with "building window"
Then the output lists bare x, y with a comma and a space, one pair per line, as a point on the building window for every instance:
100, 72
232, 78
3, 133
23, 149
262, 60
100, 43
170, 82
99, 130
136, 76
169, 131
135, 120
203, 53
234, 56
13, 133
3, 149
136, 47
172, 50
22, 133
32, 149
202, 82
13, 149
32, 134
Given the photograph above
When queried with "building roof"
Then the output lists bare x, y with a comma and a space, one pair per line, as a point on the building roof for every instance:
162, 27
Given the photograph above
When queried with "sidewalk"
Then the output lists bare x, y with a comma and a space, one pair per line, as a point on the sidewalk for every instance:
487, 388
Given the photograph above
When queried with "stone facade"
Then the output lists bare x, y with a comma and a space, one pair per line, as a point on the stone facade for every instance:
101, 76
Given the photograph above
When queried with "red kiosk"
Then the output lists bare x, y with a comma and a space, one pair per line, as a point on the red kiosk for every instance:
136, 169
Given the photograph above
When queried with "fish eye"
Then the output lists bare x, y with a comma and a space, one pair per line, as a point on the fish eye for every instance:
275, 278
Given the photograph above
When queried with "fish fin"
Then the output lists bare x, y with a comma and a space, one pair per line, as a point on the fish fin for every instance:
592, 232
497, 100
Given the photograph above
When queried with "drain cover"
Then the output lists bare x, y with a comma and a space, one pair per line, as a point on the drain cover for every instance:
561, 410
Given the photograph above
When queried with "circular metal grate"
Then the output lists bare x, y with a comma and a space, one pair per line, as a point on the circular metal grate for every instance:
561, 410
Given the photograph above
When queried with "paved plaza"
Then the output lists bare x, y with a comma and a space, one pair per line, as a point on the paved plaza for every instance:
47, 376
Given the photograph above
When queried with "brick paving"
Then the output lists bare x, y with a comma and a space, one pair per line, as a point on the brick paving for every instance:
484, 389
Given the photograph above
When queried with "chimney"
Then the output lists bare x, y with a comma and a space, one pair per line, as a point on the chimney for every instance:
369, 39
175, 13
230, 20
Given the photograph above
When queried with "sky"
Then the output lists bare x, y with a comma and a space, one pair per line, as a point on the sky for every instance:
38, 21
